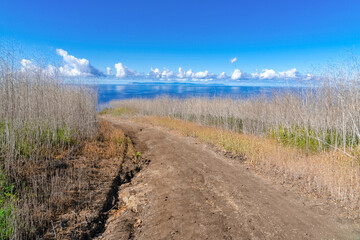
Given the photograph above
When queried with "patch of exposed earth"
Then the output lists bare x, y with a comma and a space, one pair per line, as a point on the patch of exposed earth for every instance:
190, 191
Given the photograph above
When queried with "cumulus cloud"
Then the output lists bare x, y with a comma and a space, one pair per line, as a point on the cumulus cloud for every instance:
272, 74
166, 74
51, 70
181, 73
189, 74
292, 73
236, 75
163, 74
73, 66
185, 74
26, 64
268, 74
29, 65
122, 71
76, 66
222, 76
155, 72
204, 74
108, 71
255, 75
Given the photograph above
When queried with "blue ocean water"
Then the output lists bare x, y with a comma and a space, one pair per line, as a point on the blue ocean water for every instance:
117, 91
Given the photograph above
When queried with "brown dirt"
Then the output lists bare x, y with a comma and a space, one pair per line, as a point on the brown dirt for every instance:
190, 191
94, 174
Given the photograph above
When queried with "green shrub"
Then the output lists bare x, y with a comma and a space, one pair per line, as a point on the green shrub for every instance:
308, 138
7, 208
118, 111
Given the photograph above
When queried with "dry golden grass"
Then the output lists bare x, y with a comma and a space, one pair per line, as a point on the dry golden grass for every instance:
111, 142
331, 174
82, 187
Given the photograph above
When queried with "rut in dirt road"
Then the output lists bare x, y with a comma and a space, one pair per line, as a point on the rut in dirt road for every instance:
97, 226
189, 191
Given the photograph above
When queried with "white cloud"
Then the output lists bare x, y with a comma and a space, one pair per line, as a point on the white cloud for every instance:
255, 75
166, 74
268, 74
76, 66
51, 70
233, 60
181, 73
108, 71
155, 72
189, 74
204, 74
309, 77
236, 74
185, 74
81, 67
28, 65
122, 71
271, 74
292, 73
222, 76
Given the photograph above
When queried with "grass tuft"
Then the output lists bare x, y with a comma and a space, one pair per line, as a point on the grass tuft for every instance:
118, 112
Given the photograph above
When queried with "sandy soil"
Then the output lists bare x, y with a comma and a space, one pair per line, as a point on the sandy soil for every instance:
189, 191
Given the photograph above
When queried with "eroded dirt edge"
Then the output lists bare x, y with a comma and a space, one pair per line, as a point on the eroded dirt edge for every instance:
118, 206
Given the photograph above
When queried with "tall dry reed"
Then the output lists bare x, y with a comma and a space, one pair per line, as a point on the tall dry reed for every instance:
318, 118
40, 117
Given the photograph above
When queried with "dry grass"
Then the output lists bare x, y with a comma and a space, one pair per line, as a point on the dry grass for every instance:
315, 119
88, 179
43, 121
331, 174
110, 143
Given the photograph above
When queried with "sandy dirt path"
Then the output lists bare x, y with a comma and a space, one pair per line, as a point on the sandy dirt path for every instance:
188, 191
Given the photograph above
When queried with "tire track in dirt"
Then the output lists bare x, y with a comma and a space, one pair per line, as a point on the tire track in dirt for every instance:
191, 192
126, 172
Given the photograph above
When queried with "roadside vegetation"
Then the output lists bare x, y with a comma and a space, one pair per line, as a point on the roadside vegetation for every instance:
42, 122
310, 138
60, 167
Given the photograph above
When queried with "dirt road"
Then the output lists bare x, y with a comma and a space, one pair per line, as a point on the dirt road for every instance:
188, 191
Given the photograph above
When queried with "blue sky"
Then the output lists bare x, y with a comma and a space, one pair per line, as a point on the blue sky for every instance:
197, 34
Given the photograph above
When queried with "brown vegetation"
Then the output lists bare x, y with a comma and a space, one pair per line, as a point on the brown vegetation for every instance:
92, 179
319, 118
60, 169
43, 122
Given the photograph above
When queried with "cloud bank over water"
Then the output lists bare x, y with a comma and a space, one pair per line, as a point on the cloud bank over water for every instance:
72, 66
123, 71
108, 71
29, 65
236, 75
